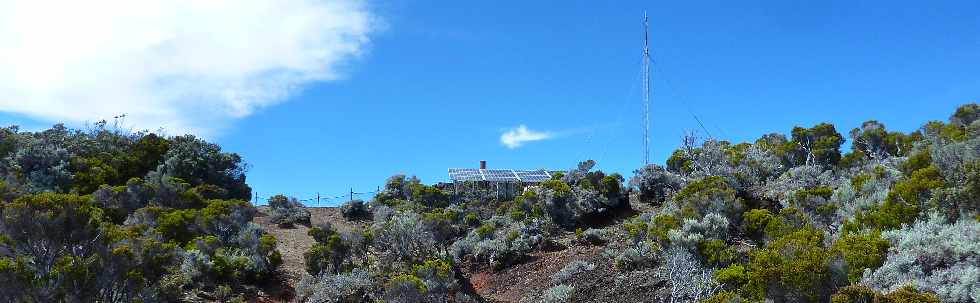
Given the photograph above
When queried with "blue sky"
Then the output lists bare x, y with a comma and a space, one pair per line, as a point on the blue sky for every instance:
434, 85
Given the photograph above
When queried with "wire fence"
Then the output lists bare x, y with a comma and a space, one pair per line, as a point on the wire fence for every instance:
322, 200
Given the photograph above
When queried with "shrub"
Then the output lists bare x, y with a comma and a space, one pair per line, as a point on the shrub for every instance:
558, 294
37, 232
500, 241
638, 256
402, 238
862, 294
355, 210
326, 256
791, 268
689, 281
933, 256
860, 252
438, 277
655, 184
572, 200
571, 269
902, 205
694, 232
733, 276
595, 236
727, 297
801, 177
405, 288
819, 144
716, 252
710, 195
756, 220
351, 286
471, 219
287, 211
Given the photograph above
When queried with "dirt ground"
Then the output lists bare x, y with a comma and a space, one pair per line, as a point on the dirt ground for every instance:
517, 283
293, 242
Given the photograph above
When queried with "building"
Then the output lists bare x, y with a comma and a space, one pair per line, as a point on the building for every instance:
502, 183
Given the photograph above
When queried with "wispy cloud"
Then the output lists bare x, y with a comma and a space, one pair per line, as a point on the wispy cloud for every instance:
185, 65
517, 136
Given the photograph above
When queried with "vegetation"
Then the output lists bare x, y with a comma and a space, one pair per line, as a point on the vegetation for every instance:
107, 216
99, 215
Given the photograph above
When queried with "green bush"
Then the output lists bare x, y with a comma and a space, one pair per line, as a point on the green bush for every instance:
859, 252
329, 253
901, 206
791, 268
733, 276
862, 294
716, 252
819, 144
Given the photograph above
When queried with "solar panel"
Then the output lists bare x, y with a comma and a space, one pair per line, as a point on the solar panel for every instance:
500, 175
465, 174
532, 175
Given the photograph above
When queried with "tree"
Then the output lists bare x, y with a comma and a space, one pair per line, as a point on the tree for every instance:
965, 115
199, 162
654, 184
877, 143
819, 144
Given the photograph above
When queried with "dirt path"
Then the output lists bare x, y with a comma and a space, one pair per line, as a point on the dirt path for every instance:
293, 242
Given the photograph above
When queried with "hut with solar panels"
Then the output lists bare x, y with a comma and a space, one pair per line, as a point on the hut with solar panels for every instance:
504, 184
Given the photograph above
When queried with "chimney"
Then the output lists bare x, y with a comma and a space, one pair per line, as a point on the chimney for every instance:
483, 164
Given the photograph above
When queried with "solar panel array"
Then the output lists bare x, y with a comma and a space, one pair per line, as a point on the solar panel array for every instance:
532, 175
498, 175
465, 174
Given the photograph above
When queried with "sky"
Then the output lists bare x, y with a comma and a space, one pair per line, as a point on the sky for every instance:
329, 96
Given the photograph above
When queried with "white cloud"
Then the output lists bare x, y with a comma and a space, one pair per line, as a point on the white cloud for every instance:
516, 137
185, 65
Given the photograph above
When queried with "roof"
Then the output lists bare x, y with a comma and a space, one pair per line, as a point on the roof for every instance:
498, 175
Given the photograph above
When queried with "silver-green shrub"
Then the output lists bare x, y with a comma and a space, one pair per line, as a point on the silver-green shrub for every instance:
934, 256
558, 294
570, 270
351, 286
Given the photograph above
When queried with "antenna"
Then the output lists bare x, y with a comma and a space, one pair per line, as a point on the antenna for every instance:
646, 92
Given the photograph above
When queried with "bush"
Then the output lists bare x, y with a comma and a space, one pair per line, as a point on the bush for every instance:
818, 145
709, 195
694, 232
933, 256
655, 184
558, 294
862, 294
902, 205
727, 297
570, 270
403, 238
287, 211
328, 254
689, 281
595, 236
351, 287
500, 241
791, 268
405, 288
355, 210
733, 276
438, 277
639, 256
860, 252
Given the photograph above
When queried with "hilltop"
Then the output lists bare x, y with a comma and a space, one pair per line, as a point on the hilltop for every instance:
101, 215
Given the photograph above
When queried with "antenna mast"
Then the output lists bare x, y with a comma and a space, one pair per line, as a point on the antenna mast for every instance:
646, 93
